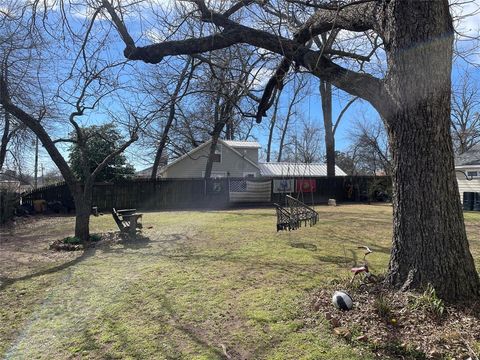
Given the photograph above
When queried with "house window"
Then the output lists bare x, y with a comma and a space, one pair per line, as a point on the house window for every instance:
249, 174
218, 154
472, 173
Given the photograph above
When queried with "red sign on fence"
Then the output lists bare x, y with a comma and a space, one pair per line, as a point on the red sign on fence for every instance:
306, 185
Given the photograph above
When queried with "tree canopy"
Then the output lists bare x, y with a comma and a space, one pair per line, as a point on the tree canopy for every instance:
102, 140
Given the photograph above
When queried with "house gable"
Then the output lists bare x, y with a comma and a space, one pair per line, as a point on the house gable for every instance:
192, 165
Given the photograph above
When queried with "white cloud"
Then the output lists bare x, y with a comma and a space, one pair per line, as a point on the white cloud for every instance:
260, 77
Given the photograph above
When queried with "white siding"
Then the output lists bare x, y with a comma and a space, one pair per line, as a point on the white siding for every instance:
465, 185
194, 165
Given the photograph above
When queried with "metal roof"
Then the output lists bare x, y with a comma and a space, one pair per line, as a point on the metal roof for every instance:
242, 144
471, 157
274, 169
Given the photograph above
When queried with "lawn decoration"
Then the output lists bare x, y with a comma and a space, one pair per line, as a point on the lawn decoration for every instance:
296, 212
368, 277
342, 301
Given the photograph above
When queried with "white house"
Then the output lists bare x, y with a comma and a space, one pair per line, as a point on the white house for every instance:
468, 171
232, 159
236, 159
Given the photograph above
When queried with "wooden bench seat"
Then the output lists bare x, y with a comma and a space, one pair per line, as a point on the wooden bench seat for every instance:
127, 219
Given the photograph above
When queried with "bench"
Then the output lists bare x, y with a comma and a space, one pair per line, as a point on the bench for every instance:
127, 219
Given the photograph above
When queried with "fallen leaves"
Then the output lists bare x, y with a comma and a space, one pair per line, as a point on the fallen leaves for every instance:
408, 331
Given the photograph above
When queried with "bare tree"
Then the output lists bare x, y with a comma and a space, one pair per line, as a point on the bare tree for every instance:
465, 114
370, 148
87, 81
305, 146
413, 101
231, 87
295, 99
185, 76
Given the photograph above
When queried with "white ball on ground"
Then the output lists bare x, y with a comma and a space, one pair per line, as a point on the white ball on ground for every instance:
342, 301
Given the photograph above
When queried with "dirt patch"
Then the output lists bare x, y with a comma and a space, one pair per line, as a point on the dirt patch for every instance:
403, 325
24, 244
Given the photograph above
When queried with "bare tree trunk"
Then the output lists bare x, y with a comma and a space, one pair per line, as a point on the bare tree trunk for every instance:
83, 206
213, 146
5, 139
229, 131
326, 95
168, 125
427, 224
272, 126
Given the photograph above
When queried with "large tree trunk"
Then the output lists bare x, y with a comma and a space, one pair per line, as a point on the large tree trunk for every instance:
326, 95
83, 206
429, 240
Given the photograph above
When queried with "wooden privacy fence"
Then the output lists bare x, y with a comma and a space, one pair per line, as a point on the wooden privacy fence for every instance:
147, 194
8, 203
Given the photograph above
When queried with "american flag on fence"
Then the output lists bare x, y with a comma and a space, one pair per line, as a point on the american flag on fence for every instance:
242, 190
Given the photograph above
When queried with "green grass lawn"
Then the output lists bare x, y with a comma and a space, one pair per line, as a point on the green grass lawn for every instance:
195, 281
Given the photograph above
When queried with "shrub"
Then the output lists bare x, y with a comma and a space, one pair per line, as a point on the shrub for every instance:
95, 238
71, 240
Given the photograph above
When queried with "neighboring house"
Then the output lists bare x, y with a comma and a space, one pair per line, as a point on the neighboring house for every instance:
235, 159
469, 164
10, 185
232, 159
146, 173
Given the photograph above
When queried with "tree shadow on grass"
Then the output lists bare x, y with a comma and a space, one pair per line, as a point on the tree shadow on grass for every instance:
306, 246
127, 242
193, 333
244, 214
134, 242
340, 261
6, 282
170, 317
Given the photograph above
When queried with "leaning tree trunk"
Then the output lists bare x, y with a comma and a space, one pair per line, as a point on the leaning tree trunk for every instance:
429, 240
5, 139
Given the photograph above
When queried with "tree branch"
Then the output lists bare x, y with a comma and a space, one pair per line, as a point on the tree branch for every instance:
36, 127
356, 18
105, 161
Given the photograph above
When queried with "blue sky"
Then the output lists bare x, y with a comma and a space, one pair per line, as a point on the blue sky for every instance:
311, 108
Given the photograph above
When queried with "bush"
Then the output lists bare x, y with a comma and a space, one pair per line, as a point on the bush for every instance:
75, 240
95, 238
71, 240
